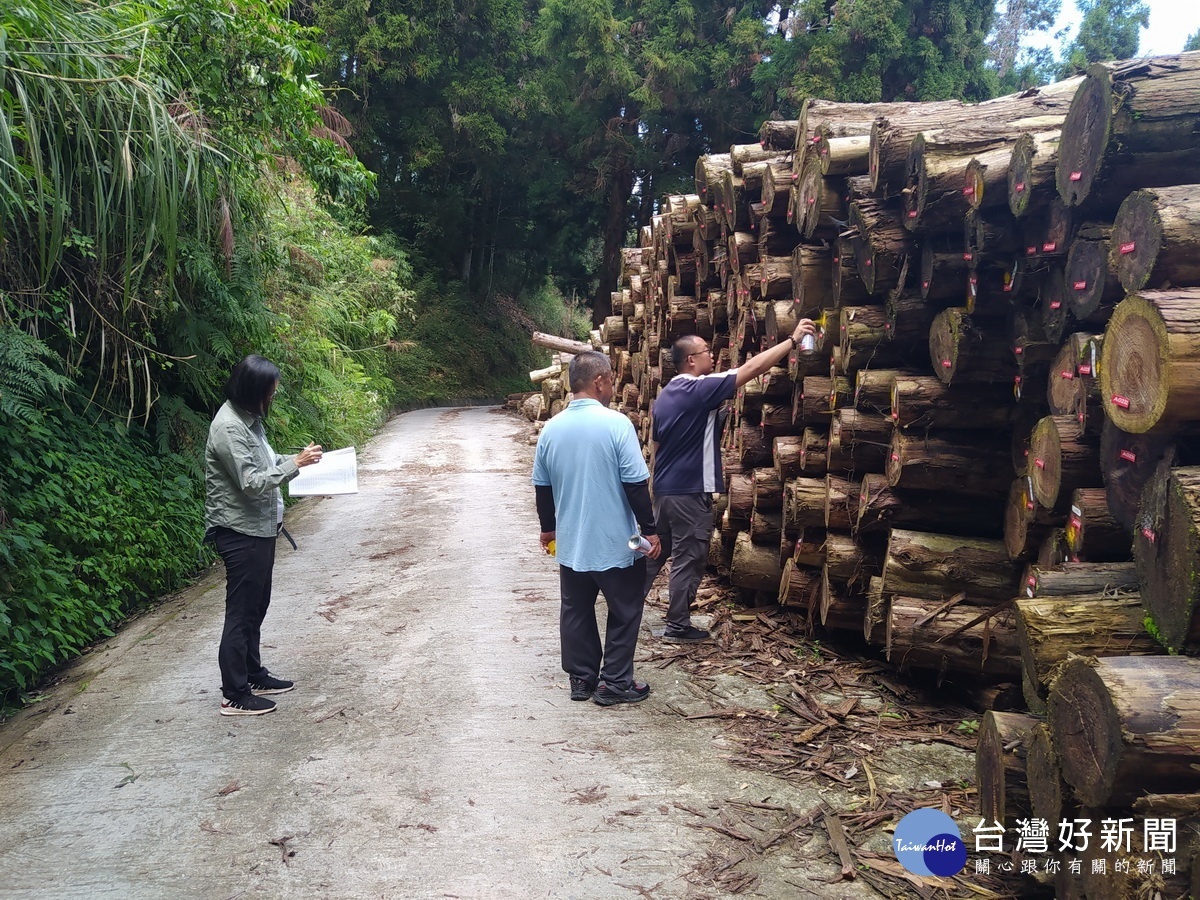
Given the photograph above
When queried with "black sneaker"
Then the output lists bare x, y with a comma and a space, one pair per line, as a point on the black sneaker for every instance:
582, 688
248, 705
607, 695
269, 684
689, 635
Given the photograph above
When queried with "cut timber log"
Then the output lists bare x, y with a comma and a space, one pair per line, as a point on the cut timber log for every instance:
1150, 363
847, 288
865, 339
882, 245
803, 504
940, 189
1051, 629
1026, 524
859, 441
1031, 171
920, 636
963, 350
881, 508
778, 135
1072, 579
799, 586
945, 267
841, 502
786, 452
1127, 462
561, 344
710, 171
949, 461
814, 452
820, 205
1156, 239
873, 389
1043, 774
1131, 125
1092, 287
1000, 767
922, 402
1093, 534
755, 567
1126, 726
1166, 548
812, 279
841, 154
1061, 458
846, 562
938, 566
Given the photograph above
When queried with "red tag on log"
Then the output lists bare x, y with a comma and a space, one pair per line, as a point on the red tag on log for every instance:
1120, 401
867, 263
925, 284
836, 259
1008, 286
969, 191
1148, 534
1085, 369
1075, 522
1128, 248
824, 151
912, 214
795, 176
1018, 350
1040, 463
895, 415
1049, 247
1128, 456
1068, 374
1031, 251
1019, 187
1081, 285
968, 256
1055, 304
1031, 581
817, 139
946, 364
1029, 505
812, 200
1077, 176
1017, 380
895, 457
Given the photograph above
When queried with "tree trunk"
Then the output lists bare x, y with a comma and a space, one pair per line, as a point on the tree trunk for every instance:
1071, 579
754, 567
1150, 364
559, 344
620, 189
1093, 534
1031, 172
1055, 628
1166, 547
1061, 458
881, 508
1126, 726
962, 349
1156, 239
922, 402
1131, 125
1000, 767
915, 640
937, 566
952, 461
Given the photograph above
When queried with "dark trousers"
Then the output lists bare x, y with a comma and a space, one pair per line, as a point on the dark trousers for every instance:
248, 565
581, 652
684, 523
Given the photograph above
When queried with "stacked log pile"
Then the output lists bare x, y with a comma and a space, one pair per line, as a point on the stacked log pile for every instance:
984, 466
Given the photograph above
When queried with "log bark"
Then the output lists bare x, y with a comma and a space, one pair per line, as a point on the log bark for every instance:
820, 205
1127, 726
768, 490
847, 562
803, 504
923, 402
786, 451
766, 528
1061, 458
915, 640
754, 567
847, 288
742, 155
776, 188
882, 507
1051, 629
812, 279
1131, 125
1156, 239
800, 587
741, 499
873, 389
937, 567
1150, 364
778, 135
909, 317
1000, 767
941, 191
1166, 548
948, 461
841, 503
882, 244
842, 154
962, 349
945, 267
865, 339
771, 279
1043, 774
1093, 533
814, 453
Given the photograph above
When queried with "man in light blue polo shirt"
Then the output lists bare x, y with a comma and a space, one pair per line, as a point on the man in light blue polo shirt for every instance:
593, 493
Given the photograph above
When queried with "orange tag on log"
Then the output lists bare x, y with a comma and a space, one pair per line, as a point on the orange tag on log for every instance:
1129, 247
1120, 401
1081, 285
1128, 456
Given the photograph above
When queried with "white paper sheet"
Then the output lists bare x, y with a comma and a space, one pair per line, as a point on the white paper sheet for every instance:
336, 473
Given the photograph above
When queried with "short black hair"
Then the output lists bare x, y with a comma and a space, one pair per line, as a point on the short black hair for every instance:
682, 349
250, 382
585, 367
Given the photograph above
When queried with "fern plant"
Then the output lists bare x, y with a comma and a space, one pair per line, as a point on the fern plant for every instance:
27, 374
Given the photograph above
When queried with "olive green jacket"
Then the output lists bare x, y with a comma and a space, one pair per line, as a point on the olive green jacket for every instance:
242, 474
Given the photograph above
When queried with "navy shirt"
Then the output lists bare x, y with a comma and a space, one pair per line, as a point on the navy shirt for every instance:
688, 458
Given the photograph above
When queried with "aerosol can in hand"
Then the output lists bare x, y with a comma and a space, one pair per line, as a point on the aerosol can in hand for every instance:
639, 544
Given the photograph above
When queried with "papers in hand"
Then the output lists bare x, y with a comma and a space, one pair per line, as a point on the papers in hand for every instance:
336, 473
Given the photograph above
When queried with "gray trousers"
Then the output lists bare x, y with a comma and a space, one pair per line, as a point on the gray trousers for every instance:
582, 654
684, 523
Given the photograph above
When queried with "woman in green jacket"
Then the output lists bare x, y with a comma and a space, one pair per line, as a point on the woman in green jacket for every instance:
243, 513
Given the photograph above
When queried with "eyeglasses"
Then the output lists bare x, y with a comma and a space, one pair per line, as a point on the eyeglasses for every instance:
699, 352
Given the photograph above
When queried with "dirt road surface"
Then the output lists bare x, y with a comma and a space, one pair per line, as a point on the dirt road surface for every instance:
430, 748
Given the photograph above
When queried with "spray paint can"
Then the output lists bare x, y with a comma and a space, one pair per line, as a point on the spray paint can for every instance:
808, 344
639, 544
